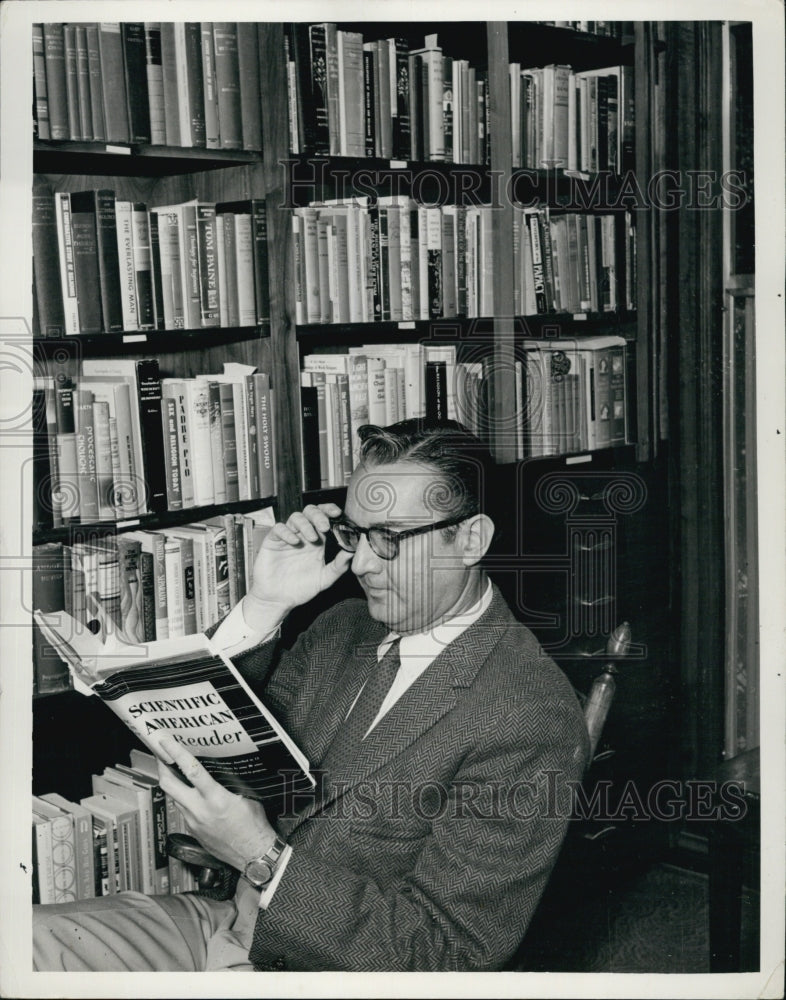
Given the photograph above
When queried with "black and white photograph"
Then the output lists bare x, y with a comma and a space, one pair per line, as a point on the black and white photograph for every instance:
392, 427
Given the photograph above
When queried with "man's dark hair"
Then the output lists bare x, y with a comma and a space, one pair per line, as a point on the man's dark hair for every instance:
463, 463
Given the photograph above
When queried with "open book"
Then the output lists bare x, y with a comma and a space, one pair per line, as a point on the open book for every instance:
184, 687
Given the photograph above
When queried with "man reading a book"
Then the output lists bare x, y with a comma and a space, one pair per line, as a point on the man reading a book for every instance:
445, 738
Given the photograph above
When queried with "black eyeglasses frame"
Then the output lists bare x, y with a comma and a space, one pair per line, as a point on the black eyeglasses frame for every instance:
395, 536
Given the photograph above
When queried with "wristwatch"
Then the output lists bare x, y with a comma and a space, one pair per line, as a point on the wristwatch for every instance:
260, 871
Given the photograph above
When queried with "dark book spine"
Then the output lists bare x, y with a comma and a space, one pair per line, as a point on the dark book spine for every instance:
39, 77
434, 278
102, 204
374, 263
142, 267
94, 76
196, 88
447, 106
152, 438
260, 253
248, 65
154, 72
83, 84
133, 35
57, 98
171, 459
319, 88
436, 390
148, 596
344, 425
401, 129
110, 44
416, 108
308, 404
155, 271
46, 264
208, 264
50, 673
83, 234
43, 480
72, 82
228, 84
299, 50
603, 122
368, 101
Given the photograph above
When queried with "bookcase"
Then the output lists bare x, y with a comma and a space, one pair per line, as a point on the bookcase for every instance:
563, 538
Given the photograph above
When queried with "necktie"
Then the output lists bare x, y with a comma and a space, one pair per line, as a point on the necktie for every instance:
344, 748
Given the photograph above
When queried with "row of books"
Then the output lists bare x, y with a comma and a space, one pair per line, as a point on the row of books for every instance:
571, 395
608, 29
193, 84
572, 262
110, 841
106, 265
396, 260
576, 120
119, 441
146, 585
350, 97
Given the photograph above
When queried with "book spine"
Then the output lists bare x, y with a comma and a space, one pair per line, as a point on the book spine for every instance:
260, 254
174, 499
319, 88
39, 78
244, 256
198, 402
229, 441
170, 87
72, 82
155, 83
217, 444
208, 264
174, 587
149, 402
108, 263
228, 84
133, 35
110, 44
212, 139
67, 264
46, 263
86, 457
253, 436
85, 254
248, 67
98, 128
124, 216
143, 276
83, 84
54, 63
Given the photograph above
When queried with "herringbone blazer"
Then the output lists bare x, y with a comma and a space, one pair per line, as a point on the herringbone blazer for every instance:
431, 851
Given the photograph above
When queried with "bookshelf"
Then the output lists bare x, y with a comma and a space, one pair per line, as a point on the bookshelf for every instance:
288, 181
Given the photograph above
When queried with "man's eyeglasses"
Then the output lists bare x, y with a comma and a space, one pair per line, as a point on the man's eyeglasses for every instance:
383, 541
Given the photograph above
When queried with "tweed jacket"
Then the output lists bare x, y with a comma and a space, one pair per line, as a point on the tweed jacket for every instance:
432, 850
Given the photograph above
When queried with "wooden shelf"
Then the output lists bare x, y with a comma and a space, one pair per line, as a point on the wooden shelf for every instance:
164, 519
145, 341
125, 159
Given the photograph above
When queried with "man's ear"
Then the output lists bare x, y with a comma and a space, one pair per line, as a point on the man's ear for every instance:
476, 534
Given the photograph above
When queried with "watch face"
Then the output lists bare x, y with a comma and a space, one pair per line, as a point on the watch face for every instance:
259, 871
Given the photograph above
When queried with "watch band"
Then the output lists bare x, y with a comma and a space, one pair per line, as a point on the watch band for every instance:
259, 871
